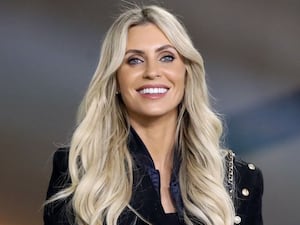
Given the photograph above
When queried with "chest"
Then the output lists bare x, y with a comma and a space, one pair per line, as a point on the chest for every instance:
147, 204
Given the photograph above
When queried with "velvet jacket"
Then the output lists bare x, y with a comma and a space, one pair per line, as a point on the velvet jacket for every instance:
247, 191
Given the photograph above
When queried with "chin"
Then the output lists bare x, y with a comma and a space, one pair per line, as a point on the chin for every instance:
160, 113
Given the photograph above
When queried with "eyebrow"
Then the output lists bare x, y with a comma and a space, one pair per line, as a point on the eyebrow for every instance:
156, 50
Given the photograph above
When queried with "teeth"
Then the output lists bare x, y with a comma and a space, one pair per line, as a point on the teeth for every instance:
153, 91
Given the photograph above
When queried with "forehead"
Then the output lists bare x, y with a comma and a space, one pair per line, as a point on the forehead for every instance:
144, 35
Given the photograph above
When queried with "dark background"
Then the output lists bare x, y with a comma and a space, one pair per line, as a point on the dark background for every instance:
49, 51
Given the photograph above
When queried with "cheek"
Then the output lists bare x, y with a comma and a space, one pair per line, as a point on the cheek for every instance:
182, 82
126, 77
121, 79
123, 83
182, 76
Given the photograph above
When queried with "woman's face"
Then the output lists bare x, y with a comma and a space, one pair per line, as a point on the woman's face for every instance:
151, 78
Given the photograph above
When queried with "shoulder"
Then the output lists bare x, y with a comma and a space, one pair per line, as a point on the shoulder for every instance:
60, 173
58, 212
61, 155
248, 174
60, 161
248, 191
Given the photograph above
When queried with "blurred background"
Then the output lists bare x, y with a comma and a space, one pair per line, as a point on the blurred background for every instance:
49, 51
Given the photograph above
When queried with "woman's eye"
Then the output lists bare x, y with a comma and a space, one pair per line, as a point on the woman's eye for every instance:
167, 58
134, 61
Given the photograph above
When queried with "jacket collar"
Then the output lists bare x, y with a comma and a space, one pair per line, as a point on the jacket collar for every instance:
145, 188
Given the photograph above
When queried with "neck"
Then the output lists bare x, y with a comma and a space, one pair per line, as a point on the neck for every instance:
159, 138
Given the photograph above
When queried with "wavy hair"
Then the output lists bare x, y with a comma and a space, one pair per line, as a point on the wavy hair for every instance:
100, 165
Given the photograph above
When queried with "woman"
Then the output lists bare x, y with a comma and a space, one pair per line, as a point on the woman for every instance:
146, 148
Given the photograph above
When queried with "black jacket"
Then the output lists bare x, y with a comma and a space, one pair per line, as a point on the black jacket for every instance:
247, 193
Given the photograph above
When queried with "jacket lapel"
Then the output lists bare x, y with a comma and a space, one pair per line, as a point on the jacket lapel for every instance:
145, 199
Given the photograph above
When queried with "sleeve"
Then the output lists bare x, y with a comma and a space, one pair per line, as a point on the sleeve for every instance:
248, 194
58, 212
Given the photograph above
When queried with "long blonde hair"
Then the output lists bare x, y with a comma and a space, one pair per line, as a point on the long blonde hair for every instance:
100, 165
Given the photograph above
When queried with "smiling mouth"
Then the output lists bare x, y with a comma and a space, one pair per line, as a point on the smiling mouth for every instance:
153, 90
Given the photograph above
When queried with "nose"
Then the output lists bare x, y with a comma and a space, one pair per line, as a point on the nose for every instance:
152, 70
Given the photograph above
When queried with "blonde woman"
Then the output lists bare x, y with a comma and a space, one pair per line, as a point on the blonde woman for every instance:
146, 147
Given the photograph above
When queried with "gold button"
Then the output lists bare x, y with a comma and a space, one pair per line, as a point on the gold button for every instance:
251, 166
237, 219
245, 192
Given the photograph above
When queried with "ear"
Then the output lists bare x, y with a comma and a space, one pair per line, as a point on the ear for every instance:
117, 85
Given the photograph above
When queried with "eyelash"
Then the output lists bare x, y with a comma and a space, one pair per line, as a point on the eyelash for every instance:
134, 61
165, 58
170, 58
